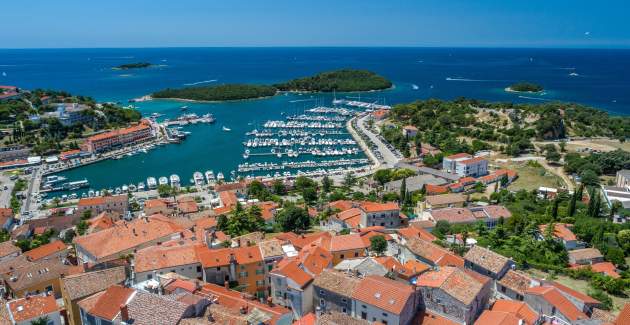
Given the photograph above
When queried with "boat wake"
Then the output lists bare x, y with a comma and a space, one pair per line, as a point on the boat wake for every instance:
200, 82
301, 100
468, 80
533, 98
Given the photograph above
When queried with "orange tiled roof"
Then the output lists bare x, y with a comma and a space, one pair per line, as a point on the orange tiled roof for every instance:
518, 308
453, 215
384, 293
517, 281
315, 258
416, 267
486, 258
576, 294
472, 160
228, 199
111, 134
308, 319
160, 257
46, 250
32, 307
491, 317
347, 242
348, 214
127, 235
155, 203
291, 269
368, 206
435, 189
428, 318
341, 205
222, 257
561, 230
453, 281
624, 315
553, 296
7, 248
107, 306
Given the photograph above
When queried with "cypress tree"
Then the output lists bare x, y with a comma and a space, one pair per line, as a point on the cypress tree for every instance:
554, 209
403, 190
572, 204
580, 192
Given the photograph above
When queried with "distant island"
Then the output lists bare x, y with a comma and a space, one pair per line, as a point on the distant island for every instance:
137, 65
345, 80
218, 92
527, 87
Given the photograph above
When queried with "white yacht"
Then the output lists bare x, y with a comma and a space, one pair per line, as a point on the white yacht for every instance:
125, 188
132, 188
198, 177
226, 129
220, 176
162, 181
174, 180
151, 183
209, 176
141, 186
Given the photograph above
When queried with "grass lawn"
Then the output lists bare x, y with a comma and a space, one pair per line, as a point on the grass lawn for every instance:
579, 285
530, 178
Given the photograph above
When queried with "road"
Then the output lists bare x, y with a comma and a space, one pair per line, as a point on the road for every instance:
389, 158
5, 195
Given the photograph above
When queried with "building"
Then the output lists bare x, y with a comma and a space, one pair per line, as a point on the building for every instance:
6, 218
333, 292
79, 286
452, 200
507, 312
489, 215
27, 278
623, 178
619, 194
162, 206
550, 301
291, 287
9, 93
514, 284
409, 131
156, 260
116, 139
347, 246
379, 299
26, 310
380, 214
125, 238
585, 256
562, 233
8, 251
414, 183
464, 165
363, 266
116, 203
55, 249
102, 221
70, 114
426, 252
624, 315
487, 262
454, 294
119, 304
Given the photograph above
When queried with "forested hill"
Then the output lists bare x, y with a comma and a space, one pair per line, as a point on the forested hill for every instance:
218, 93
510, 127
340, 80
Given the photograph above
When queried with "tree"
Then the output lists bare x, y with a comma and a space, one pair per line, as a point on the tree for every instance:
349, 180
309, 194
327, 184
278, 187
378, 244
563, 145
554, 209
442, 228
403, 190
257, 190
589, 177
87, 214
572, 204
164, 190
293, 218
382, 176
41, 321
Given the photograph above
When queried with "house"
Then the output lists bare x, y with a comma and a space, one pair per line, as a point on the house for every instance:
116, 203
333, 292
380, 214
291, 287
465, 165
8, 251
70, 114
347, 246
431, 189
79, 286
187, 205
6, 218
154, 260
102, 221
159, 206
453, 293
562, 233
582, 301
125, 238
624, 315
622, 178
414, 183
409, 131
55, 249
346, 219
379, 299
26, 310
115, 139
26, 278
487, 262
508, 312
514, 284
549, 301
362, 266
449, 163
242, 265
585, 256
616, 193
380, 114
432, 202
428, 253
119, 304
604, 268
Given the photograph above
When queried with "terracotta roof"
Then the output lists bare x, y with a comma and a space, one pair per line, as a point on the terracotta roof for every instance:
156, 203
486, 258
624, 315
410, 232
451, 198
606, 317
308, 319
496, 212
585, 254
221, 257
384, 293
368, 206
189, 286
271, 248
336, 282
453, 215
338, 318
228, 199
103, 221
347, 214
416, 267
148, 309
206, 223
28, 274
435, 189
561, 230
606, 268
315, 259
428, 318
303, 240
187, 207
292, 270
267, 209
115, 133
82, 285
127, 235
107, 305
453, 281
459, 155
553, 296
7, 248
341, 205
491, 317
230, 186
100, 200
346, 242
158, 257
517, 308
473, 160
25, 309
46, 250
576, 294
426, 249
518, 281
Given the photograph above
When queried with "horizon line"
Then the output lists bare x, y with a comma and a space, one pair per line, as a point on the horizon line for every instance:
577, 47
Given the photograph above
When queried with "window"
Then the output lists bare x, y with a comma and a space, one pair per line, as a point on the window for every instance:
343, 310
49, 288
149, 276
364, 306
321, 302
321, 292
503, 289
198, 268
343, 300
356, 254
243, 274
242, 267
341, 256
218, 268
261, 271
363, 315
384, 322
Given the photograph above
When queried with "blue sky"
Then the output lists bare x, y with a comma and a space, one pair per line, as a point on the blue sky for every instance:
156, 23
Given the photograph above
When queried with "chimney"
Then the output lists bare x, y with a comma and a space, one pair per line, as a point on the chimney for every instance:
124, 313
270, 301
85, 266
226, 284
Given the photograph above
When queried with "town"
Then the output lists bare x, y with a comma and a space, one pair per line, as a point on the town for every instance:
418, 237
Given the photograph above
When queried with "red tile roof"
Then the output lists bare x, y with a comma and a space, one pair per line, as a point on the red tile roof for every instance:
435, 189
453, 215
160, 257
517, 308
553, 296
561, 230
346, 242
291, 269
453, 281
32, 307
473, 160
459, 155
221, 257
576, 294
315, 259
341, 205
368, 206
115, 133
384, 293
624, 315
107, 306
46, 250
428, 318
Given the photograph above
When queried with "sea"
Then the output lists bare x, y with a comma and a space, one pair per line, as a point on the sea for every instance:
594, 77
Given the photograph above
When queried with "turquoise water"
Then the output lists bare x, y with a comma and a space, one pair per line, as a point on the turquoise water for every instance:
603, 81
